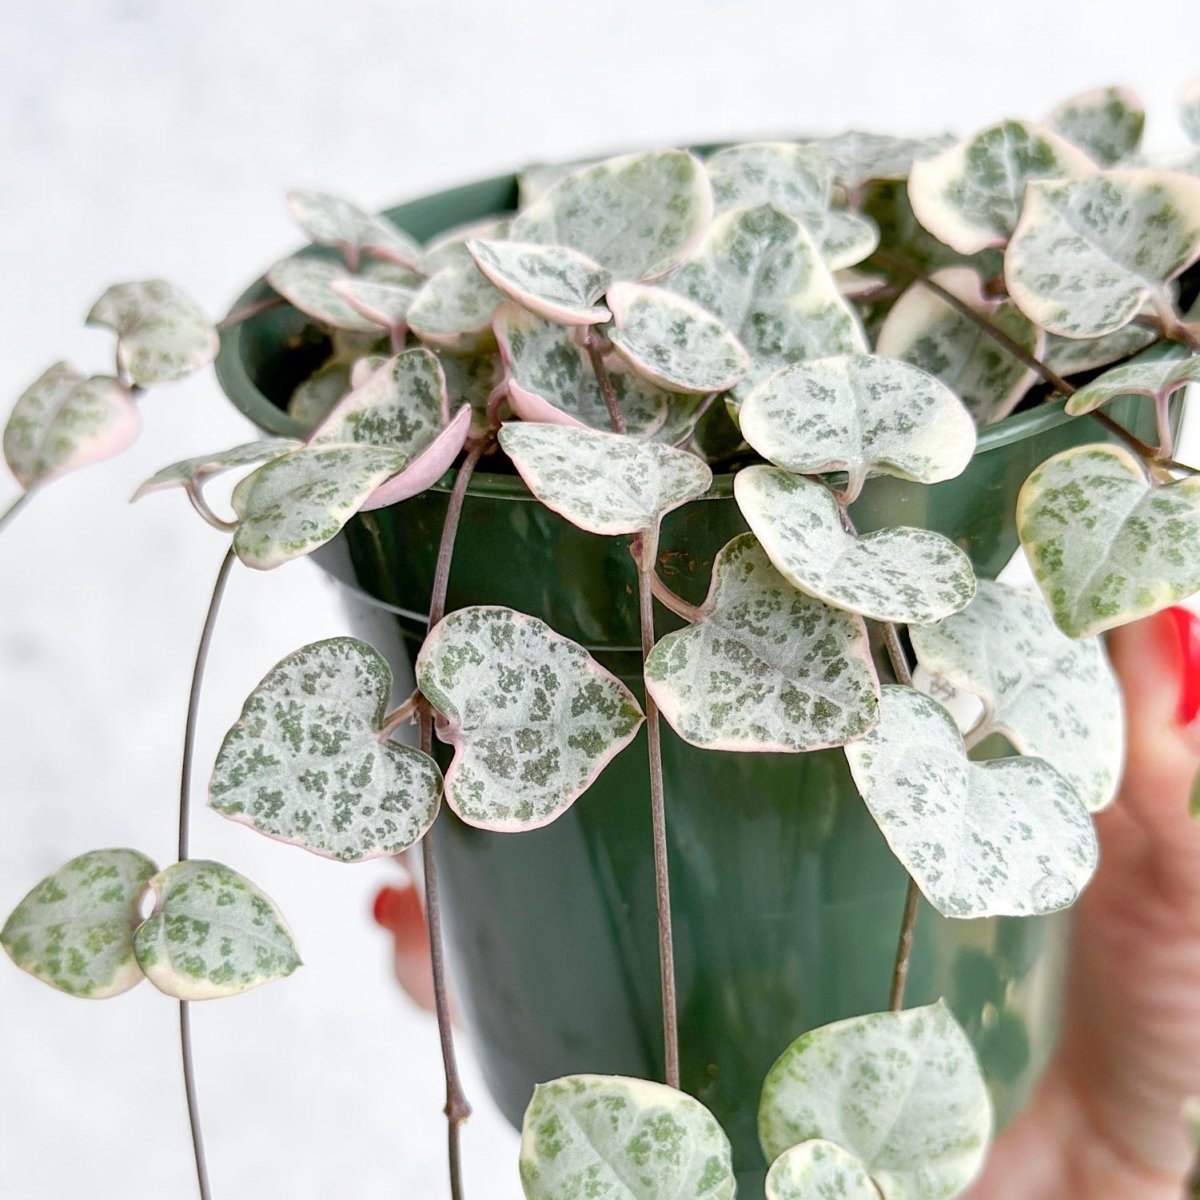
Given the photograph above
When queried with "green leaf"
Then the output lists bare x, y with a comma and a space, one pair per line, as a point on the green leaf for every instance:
900, 1090
454, 309
819, 1170
603, 482
969, 196
470, 379
1089, 253
195, 472
993, 839
637, 216
554, 282
331, 221
212, 933
1105, 124
914, 576
603, 1137
532, 717
307, 283
74, 930
64, 421
1189, 110
766, 667
857, 158
672, 341
305, 762
1105, 546
1158, 380
859, 413
1052, 697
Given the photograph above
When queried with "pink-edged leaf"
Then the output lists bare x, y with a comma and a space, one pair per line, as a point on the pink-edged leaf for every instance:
426, 467
332, 221
193, 472
307, 283
384, 304
554, 282
1157, 380
1105, 123
450, 247
454, 308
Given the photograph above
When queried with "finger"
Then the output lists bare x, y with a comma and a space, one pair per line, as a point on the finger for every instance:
399, 911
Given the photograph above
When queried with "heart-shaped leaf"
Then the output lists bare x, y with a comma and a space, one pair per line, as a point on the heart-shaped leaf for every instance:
1158, 380
638, 215
74, 930
604, 1137
858, 413
65, 420
1068, 356
162, 333
331, 221
307, 283
819, 1170
454, 309
314, 398
532, 717
554, 282
471, 378
1087, 254
857, 158
765, 667
194, 472
385, 304
305, 762
212, 933
1105, 546
969, 196
914, 576
603, 482
672, 341
900, 1090
993, 839
1105, 124
1052, 697
450, 247
1189, 109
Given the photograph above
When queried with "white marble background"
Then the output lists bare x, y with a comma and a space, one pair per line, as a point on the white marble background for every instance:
139, 137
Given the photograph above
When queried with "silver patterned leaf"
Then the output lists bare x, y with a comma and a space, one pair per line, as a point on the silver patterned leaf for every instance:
450, 246
162, 333
673, 342
65, 420
471, 378
638, 215
1106, 123
194, 472
604, 1137
1087, 254
859, 413
532, 717
765, 667
1158, 380
74, 930
454, 309
305, 763
315, 397
426, 466
1105, 546
819, 1170
926, 331
1068, 356
902, 1091
385, 304
554, 282
332, 221
306, 282
857, 158
969, 196
212, 933
1189, 110
1003, 838
913, 576
1052, 697
603, 482
536, 179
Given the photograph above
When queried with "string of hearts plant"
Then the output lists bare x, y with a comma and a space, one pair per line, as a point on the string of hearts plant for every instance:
805, 315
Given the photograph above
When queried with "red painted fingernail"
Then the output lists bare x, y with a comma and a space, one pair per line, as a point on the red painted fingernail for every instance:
398, 910
1187, 630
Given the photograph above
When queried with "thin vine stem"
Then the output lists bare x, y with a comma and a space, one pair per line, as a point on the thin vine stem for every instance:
405, 711
15, 507
594, 347
247, 311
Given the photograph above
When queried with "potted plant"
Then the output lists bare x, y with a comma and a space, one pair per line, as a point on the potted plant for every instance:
684, 480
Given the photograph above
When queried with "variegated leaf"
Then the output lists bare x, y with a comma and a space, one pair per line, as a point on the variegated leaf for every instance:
305, 763
454, 309
684, 415
306, 282
859, 413
74, 930
554, 282
900, 1090
913, 576
1068, 356
1158, 380
970, 195
65, 420
426, 466
1003, 838
470, 379
332, 221
1105, 124
766, 667
449, 248
315, 397
1105, 546
536, 179
926, 331
1051, 697
212, 933
603, 482
532, 717
638, 215
819, 1170
385, 304
1088, 253
672, 341
604, 1137
1189, 109
857, 158
194, 472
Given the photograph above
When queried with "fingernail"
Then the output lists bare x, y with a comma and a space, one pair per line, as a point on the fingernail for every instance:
1187, 631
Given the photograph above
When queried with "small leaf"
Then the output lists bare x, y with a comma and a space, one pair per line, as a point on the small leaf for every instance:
604, 1137
637, 216
454, 309
970, 195
554, 282
315, 397
331, 221
194, 472
766, 667
64, 421
532, 717
914, 576
74, 930
1088, 253
1105, 546
900, 1090
1189, 110
673, 342
212, 933
470, 379
1106, 123
603, 482
819, 1170
1069, 356
383, 304
450, 248
305, 764
1158, 380
306, 282
857, 158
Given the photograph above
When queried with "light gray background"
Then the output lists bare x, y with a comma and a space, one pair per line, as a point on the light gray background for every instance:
144, 138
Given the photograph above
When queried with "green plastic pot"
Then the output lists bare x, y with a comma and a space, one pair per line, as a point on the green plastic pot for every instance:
785, 897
